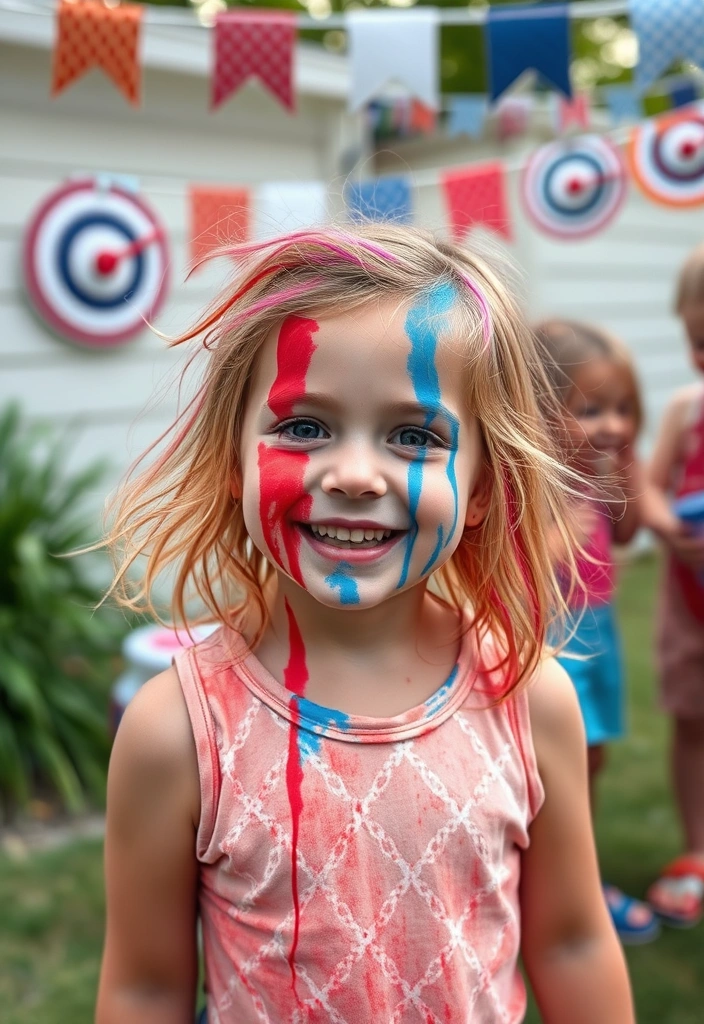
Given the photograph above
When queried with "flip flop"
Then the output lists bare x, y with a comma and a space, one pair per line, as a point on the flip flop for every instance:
682, 882
621, 908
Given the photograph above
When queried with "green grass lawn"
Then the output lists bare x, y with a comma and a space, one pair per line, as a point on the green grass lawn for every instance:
51, 905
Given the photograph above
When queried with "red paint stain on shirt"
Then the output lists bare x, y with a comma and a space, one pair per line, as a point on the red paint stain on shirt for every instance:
295, 679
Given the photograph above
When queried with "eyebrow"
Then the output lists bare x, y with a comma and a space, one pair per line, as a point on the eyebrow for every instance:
321, 400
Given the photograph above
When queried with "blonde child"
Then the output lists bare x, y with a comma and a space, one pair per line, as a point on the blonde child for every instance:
596, 385
677, 470
371, 795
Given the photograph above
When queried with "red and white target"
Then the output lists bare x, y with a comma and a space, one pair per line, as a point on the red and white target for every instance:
667, 158
573, 188
95, 263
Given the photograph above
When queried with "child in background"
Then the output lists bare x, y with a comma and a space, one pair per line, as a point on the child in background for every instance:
677, 470
595, 381
371, 794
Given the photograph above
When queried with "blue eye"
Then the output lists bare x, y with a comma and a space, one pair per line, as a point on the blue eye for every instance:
413, 437
302, 430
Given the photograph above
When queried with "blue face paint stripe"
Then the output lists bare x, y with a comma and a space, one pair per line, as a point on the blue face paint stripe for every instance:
436, 552
423, 324
343, 580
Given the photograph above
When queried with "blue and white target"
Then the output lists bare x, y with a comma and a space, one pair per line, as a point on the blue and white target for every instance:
667, 158
95, 263
571, 189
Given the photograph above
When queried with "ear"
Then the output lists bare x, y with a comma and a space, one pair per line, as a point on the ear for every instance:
479, 499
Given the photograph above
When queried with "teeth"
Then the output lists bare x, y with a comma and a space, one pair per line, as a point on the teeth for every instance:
357, 535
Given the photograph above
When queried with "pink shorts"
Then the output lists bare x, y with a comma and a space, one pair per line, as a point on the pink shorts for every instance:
680, 654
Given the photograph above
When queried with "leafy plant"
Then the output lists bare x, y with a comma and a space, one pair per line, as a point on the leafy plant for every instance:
56, 653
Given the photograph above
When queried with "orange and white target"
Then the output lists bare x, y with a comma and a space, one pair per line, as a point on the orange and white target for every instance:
667, 158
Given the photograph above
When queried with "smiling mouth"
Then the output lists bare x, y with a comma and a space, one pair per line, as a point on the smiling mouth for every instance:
346, 538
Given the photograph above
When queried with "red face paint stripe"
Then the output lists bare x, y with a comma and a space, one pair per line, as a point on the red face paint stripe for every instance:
293, 355
295, 679
281, 492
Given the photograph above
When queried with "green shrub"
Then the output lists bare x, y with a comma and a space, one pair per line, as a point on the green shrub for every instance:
56, 654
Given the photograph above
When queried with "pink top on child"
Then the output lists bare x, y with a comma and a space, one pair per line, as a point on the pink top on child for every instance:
409, 836
596, 571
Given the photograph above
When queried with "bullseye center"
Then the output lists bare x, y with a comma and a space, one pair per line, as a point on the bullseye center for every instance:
688, 149
105, 263
575, 186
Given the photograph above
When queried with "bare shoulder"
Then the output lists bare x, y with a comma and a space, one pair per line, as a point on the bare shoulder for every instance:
154, 747
680, 405
556, 719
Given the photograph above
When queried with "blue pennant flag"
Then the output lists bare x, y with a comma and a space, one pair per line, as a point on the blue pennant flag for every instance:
624, 103
380, 199
667, 30
683, 94
467, 115
519, 38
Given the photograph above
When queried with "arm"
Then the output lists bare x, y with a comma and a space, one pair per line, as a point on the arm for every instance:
628, 511
569, 947
657, 511
149, 969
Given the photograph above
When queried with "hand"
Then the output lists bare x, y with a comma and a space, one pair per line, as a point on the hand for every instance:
586, 518
685, 546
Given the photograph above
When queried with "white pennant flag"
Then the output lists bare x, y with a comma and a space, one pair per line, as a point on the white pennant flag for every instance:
280, 207
399, 46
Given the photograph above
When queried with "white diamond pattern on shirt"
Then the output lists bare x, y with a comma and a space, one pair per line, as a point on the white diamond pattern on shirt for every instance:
323, 883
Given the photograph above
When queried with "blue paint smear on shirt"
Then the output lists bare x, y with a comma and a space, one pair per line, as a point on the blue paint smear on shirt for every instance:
436, 701
317, 721
343, 580
424, 322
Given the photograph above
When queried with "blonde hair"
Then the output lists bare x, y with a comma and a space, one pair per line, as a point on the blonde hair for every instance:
690, 283
179, 513
566, 345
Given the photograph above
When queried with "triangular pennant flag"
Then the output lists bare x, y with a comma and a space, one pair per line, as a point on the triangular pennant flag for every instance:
477, 195
251, 43
387, 199
219, 216
397, 46
287, 206
512, 116
624, 103
519, 38
572, 113
667, 30
92, 35
422, 119
466, 115
683, 95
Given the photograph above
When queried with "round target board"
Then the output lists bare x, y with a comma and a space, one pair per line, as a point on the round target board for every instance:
571, 189
95, 263
667, 158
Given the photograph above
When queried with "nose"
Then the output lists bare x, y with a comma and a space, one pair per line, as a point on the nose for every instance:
354, 472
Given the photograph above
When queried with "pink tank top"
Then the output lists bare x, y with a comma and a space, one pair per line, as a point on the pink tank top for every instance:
408, 849
596, 573
690, 479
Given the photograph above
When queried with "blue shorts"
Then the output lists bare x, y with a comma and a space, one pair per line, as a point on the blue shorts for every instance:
597, 674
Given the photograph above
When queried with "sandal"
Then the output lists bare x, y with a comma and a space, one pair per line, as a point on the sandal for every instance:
633, 920
678, 895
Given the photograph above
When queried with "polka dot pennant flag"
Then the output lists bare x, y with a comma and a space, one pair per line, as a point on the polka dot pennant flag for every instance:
667, 30
477, 195
387, 199
257, 44
218, 216
91, 35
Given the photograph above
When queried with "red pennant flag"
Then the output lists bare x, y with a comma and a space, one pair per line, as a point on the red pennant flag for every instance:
218, 216
477, 195
89, 35
258, 43
572, 112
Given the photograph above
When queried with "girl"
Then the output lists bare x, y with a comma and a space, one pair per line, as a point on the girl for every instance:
676, 470
350, 782
595, 382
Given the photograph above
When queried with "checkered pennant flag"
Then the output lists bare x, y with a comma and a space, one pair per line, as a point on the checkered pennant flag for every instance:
667, 30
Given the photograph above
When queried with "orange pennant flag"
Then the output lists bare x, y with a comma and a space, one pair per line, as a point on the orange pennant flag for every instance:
89, 35
219, 216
